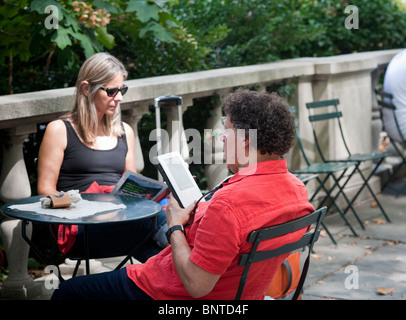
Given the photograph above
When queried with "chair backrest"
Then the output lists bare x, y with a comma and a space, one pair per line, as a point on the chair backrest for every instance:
336, 114
256, 236
385, 101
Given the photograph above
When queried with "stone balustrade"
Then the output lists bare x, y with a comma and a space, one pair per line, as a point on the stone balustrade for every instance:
350, 78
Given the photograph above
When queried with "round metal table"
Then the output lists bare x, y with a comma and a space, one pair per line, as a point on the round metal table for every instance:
135, 209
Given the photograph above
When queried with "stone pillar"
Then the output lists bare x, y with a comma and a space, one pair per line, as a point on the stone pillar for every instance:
14, 184
177, 137
132, 117
304, 95
18, 285
216, 170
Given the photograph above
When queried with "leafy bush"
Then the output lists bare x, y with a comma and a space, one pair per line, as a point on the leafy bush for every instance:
158, 37
35, 56
246, 32
381, 26
243, 32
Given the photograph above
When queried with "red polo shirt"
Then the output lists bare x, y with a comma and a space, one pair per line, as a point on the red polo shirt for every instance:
252, 199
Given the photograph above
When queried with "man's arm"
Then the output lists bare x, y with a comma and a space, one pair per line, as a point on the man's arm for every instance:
197, 281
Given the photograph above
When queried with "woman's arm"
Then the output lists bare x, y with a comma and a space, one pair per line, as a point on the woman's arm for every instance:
130, 157
50, 157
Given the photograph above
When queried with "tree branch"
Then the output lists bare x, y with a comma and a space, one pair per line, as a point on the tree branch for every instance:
48, 64
13, 35
10, 74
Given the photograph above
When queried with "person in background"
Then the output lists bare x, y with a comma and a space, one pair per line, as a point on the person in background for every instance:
208, 238
395, 83
89, 149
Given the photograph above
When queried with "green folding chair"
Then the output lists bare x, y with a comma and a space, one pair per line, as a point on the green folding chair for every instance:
261, 235
386, 102
357, 158
323, 172
305, 178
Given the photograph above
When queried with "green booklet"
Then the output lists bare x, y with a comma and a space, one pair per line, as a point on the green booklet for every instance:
137, 185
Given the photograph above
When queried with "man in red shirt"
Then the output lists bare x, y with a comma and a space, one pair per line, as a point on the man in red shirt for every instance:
202, 260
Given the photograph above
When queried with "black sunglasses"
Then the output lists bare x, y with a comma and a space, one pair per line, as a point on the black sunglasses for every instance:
112, 92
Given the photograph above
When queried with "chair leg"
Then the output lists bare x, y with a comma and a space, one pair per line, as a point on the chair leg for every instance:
75, 271
329, 234
340, 212
341, 191
328, 196
324, 226
137, 246
370, 190
320, 187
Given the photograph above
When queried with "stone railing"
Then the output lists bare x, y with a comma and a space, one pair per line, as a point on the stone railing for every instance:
351, 78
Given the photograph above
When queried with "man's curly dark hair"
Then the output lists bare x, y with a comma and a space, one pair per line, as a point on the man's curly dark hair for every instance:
266, 112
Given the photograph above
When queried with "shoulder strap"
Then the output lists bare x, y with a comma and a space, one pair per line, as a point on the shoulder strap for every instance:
124, 135
71, 134
69, 128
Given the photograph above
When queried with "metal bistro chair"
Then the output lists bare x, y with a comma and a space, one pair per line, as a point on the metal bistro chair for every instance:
385, 101
308, 240
327, 170
357, 158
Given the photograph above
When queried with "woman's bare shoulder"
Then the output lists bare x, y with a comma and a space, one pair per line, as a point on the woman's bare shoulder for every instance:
56, 126
55, 131
128, 129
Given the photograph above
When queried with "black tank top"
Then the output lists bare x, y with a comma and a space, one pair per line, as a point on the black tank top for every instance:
82, 165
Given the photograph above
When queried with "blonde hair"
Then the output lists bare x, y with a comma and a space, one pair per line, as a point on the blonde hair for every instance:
97, 71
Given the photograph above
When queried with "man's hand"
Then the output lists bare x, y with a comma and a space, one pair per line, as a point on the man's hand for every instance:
175, 215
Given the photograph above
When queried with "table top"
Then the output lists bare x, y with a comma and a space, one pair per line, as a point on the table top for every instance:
136, 208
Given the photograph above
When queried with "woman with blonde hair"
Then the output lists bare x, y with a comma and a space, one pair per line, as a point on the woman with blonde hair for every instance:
90, 146
90, 143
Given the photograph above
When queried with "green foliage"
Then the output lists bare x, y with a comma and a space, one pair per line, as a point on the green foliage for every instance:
14, 29
381, 26
246, 31
46, 41
241, 32
158, 37
14, 42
